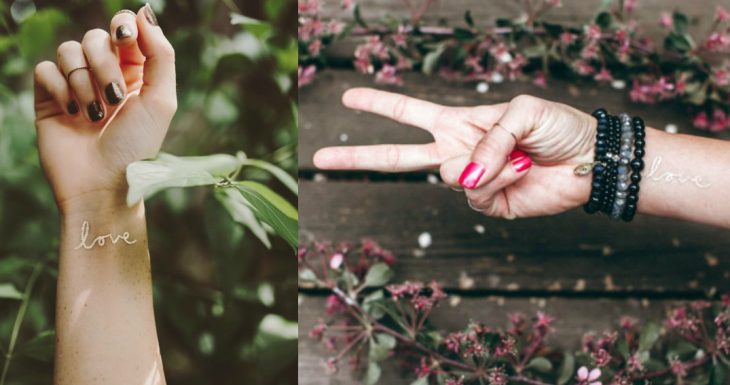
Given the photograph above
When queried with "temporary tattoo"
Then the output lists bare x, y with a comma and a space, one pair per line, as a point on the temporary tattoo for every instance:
671, 177
101, 239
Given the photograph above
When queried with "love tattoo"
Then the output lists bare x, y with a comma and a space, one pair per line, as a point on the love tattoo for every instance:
101, 240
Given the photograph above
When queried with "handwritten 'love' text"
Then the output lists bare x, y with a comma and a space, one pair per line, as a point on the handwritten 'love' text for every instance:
101, 240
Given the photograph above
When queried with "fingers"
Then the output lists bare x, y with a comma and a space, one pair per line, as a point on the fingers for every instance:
104, 65
385, 157
491, 153
489, 198
158, 91
401, 108
73, 65
125, 33
52, 93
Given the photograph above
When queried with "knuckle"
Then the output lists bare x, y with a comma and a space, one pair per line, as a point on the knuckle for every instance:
94, 35
167, 51
68, 47
392, 156
399, 107
530, 104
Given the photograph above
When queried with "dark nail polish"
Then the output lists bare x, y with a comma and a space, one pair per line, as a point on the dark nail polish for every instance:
123, 32
149, 14
72, 108
96, 113
114, 94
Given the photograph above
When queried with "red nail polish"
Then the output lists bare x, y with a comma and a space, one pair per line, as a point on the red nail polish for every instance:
521, 164
471, 175
516, 154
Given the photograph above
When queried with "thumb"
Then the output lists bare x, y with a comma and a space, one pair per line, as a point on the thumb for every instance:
158, 89
491, 153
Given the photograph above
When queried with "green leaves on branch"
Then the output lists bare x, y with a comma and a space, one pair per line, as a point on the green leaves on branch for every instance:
249, 203
8, 291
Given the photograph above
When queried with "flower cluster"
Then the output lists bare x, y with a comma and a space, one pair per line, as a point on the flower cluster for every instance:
608, 49
367, 320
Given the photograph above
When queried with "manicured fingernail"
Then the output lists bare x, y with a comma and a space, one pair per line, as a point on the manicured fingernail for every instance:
72, 107
516, 154
149, 14
96, 113
123, 32
114, 93
521, 164
471, 175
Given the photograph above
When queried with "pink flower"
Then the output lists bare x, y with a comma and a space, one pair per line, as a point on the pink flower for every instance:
589, 378
666, 20
590, 51
308, 7
593, 32
314, 47
457, 381
335, 27
473, 63
318, 331
540, 80
567, 38
388, 75
400, 38
717, 41
721, 14
543, 322
306, 75
583, 67
334, 304
700, 120
630, 5
336, 260
347, 4
497, 376
719, 120
678, 368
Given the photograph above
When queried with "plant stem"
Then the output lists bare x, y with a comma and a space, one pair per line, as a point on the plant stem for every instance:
19, 319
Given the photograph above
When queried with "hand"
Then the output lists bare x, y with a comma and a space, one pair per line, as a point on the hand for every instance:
553, 139
107, 102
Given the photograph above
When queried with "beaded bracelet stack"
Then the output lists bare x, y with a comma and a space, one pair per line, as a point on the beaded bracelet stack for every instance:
617, 165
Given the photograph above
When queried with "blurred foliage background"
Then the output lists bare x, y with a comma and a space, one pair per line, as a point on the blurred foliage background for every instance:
225, 304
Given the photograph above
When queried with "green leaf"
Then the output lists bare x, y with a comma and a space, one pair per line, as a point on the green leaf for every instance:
259, 28
380, 345
567, 369
147, 177
307, 275
236, 206
541, 364
431, 60
604, 20
680, 22
378, 275
280, 174
40, 347
373, 374
270, 208
649, 335
463, 34
421, 381
677, 43
468, 18
717, 374
358, 17
8, 290
372, 304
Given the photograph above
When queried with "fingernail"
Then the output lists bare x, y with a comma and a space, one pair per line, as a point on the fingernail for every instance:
149, 14
96, 113
521, 164
516, 154
471, 175
123, 32
114, 93
72, 108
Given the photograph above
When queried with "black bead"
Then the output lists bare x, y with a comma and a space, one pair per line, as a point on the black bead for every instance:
639, 152
600, 112
631, 198
599, 168
639, 143
637, 164
640, 134
600, 143
630, 207
635, 177
634, 188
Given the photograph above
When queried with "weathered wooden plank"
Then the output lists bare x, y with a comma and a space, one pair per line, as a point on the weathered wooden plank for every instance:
573, 12
325, 122
574, 318
569, 252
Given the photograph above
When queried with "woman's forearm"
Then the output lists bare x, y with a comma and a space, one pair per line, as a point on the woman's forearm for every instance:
686, 177
104, 315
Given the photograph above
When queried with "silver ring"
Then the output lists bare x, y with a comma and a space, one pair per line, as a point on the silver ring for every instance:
468, 201
125, 11
510, 132
68, 76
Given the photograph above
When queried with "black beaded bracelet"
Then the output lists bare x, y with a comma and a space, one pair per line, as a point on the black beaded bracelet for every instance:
604, 183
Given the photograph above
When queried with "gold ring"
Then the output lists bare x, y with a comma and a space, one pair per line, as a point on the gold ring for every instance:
125, 11
510, 132
68, 76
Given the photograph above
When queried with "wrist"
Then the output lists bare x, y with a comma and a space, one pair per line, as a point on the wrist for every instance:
93, 203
